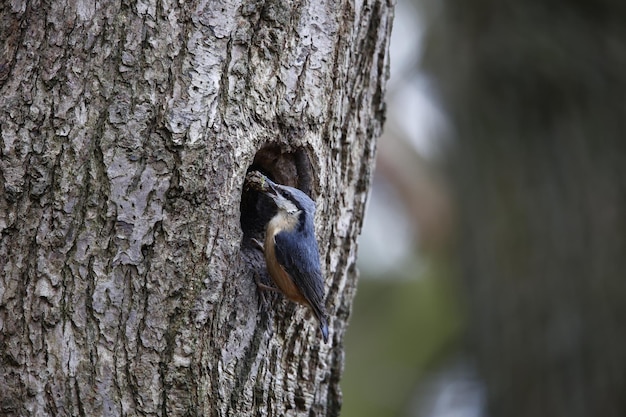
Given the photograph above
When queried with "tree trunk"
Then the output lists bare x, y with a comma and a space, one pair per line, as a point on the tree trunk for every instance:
536, 93
127, 286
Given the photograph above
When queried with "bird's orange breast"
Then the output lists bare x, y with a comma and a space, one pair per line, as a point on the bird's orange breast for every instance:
281, 278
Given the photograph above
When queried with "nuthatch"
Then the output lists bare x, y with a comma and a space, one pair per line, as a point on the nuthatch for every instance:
291, 251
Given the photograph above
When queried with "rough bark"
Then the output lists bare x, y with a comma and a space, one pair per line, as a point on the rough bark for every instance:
126, 132
536, 93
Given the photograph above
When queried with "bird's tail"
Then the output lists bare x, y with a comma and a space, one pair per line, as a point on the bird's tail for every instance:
324, 327
320, 313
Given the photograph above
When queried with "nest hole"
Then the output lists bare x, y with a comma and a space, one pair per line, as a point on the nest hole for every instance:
287, 167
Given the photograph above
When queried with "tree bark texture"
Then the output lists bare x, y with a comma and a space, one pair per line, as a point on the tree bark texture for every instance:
536, 94
126, 131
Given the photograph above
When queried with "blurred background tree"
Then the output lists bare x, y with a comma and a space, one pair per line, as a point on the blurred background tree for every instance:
407, 319
534, 95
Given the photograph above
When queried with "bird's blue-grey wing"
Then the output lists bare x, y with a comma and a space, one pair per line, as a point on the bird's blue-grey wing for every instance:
301, 262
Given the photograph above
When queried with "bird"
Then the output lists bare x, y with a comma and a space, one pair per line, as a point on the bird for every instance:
291, 250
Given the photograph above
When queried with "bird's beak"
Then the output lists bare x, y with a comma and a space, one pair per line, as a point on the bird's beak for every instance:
273, 191
272, 188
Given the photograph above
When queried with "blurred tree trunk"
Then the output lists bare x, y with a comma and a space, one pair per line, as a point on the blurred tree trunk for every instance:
536, 95
125, 136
